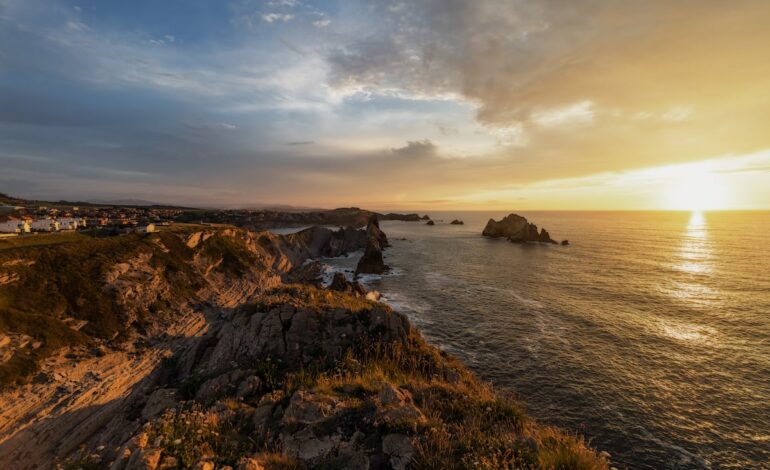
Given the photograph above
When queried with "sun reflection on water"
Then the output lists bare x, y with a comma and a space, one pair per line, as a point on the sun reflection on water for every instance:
695, 252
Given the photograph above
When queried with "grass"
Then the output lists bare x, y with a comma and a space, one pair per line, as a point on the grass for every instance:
41, 239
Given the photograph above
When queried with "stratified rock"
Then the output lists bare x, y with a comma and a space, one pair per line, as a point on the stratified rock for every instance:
457, 222
430, 222
371, 262
516, 229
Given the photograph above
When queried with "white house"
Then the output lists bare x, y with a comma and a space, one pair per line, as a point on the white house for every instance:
72, 223
11, 226
46, 225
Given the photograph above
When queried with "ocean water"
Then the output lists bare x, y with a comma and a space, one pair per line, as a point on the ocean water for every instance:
649, 334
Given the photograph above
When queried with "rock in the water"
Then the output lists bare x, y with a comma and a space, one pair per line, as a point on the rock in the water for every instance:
430, 222
516, 229
564, 242
371, 262
457, 222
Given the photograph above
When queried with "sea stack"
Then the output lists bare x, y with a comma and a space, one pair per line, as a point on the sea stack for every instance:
516, 229
371, 262
457, 222
430, 222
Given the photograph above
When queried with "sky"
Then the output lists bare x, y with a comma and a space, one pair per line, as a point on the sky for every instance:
429, 104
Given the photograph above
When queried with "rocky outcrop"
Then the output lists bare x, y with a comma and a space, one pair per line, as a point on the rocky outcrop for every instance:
372, 262
340, 283
516, 229
430, 222
457, 222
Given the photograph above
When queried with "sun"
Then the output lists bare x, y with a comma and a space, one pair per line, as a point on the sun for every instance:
696, 190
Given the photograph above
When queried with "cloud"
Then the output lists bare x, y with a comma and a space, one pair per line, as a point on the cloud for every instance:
417, 149
277, 17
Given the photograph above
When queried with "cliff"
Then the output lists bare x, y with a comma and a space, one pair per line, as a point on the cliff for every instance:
190, 349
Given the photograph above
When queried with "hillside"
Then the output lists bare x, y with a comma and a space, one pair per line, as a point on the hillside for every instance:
192, 348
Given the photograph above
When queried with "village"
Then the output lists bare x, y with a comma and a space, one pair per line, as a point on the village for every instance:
16, 221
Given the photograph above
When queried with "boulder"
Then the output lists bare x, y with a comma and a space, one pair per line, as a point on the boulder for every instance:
457, 222
564, 242
516, 229
430, 222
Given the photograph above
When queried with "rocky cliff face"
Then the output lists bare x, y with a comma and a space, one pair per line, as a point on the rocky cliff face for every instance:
516, 229
219, 363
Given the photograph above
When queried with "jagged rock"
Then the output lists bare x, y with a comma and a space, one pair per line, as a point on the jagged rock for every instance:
430, 222
400, 449
340, 283
371, 262
220, 385
516, 229
457, 222
160, 400
298, 335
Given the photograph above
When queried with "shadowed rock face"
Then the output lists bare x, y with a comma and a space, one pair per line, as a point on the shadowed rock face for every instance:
516, 229
457, 222
371, 262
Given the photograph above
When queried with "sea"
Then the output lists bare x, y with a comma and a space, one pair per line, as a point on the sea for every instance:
649, 334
